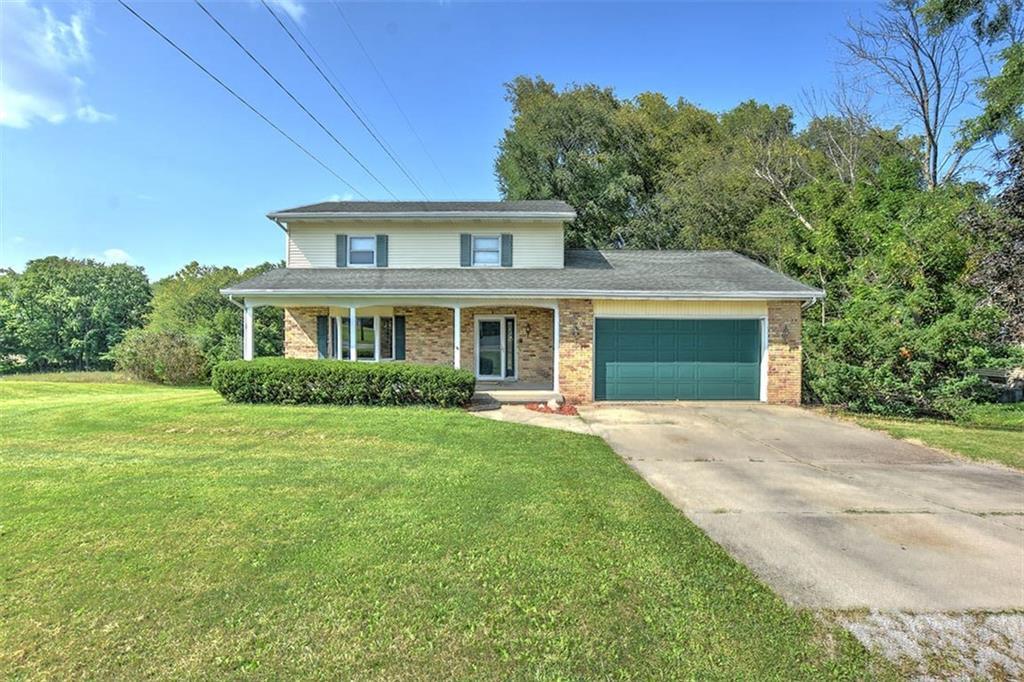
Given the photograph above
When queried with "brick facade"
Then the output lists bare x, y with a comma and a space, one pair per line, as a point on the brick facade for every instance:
576, 350
428, 335
534, 341
428, 332
784, 348
300, 332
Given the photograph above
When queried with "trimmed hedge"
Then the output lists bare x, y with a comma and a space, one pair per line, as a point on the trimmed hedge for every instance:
333, 382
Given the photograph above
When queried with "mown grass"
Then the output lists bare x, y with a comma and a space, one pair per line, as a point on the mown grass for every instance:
158, 532
993, 433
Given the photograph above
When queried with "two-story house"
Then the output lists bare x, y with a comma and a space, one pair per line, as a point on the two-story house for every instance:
489, 286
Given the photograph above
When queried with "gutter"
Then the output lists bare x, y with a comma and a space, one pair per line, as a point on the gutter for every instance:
426, 215
810, 296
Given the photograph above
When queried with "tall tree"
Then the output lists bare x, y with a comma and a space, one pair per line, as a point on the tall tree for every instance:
67, 313
929, 72
189, 303
997, 26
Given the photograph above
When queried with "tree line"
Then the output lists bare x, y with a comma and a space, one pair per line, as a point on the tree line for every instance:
917, 236
67, 314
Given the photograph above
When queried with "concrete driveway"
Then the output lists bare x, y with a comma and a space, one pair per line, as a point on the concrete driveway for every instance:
829, 514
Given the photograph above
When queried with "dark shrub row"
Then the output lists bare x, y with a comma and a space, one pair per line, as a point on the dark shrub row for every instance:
334, 382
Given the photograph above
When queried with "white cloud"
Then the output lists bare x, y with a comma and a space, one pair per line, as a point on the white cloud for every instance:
89, 114
116, 256
293, 8
42, 59
347, 196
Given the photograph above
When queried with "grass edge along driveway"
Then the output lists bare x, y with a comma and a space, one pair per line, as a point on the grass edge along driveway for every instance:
162, 532
991, 433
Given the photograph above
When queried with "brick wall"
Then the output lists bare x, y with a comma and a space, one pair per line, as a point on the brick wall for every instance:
534, 339
576, 350
784, 320
300, 332
428, 335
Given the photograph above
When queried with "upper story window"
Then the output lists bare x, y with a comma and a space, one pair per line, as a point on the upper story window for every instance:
486, 250
362, 251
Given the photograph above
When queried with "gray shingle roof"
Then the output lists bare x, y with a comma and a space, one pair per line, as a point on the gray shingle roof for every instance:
587, 273
371, 208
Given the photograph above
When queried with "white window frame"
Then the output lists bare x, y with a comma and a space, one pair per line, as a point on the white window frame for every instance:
504, 349
473, 250
348, 256
343, 351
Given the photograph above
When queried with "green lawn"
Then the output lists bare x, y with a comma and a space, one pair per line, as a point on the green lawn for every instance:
993, 432
160, 532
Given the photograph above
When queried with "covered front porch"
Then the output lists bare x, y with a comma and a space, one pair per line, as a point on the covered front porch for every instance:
510, 346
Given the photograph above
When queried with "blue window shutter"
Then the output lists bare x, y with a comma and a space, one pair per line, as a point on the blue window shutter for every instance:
321, 335
399, 350
506, 250
341, 250
382, 250
466, 255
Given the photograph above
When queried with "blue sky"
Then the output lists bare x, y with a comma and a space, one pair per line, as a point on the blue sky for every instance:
115, 147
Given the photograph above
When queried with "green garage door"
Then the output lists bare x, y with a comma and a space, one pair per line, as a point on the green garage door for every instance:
677, 359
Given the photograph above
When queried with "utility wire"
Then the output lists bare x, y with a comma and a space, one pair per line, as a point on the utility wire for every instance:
342, 97
394, 99
240, 98
334, 76
294, 98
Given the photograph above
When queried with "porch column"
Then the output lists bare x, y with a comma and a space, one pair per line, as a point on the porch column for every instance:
247, 343
554, 370
457, 332
352, 333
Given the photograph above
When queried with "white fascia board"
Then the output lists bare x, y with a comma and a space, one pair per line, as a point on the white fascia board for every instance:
539, 293
560, 216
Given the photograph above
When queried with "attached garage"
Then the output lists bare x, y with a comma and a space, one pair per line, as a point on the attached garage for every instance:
678, 359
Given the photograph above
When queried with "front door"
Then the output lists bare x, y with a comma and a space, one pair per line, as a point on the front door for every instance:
495, 348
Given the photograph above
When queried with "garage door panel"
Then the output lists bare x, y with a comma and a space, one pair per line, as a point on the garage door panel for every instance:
666, 359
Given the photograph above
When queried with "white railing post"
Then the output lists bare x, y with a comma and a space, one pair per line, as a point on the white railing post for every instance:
352, 333
457, 333
556, 342
247, 340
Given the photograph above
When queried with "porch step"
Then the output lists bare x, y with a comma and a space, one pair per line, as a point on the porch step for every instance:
508, 396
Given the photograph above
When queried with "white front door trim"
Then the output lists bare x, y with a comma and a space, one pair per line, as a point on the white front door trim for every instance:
501, 319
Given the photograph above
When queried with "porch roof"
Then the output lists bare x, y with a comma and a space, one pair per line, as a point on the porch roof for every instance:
587, 274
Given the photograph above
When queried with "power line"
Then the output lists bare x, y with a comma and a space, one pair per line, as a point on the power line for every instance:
240, 98
294, 98
334, 76
394, 99
355, 113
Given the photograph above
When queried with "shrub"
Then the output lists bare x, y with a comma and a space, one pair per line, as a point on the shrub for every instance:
334, 382
161, 357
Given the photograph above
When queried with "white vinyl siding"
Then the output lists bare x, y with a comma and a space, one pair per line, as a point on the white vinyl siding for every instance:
426, 244
649, 308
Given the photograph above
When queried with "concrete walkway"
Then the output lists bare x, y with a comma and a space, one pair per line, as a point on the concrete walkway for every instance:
829, 514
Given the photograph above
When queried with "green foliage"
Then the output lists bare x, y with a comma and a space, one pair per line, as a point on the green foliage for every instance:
65, 313
995, 24
161, 357
189, 302
314, 382
840, 205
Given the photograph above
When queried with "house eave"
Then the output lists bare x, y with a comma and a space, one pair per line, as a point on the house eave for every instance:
537, 293
429, 216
